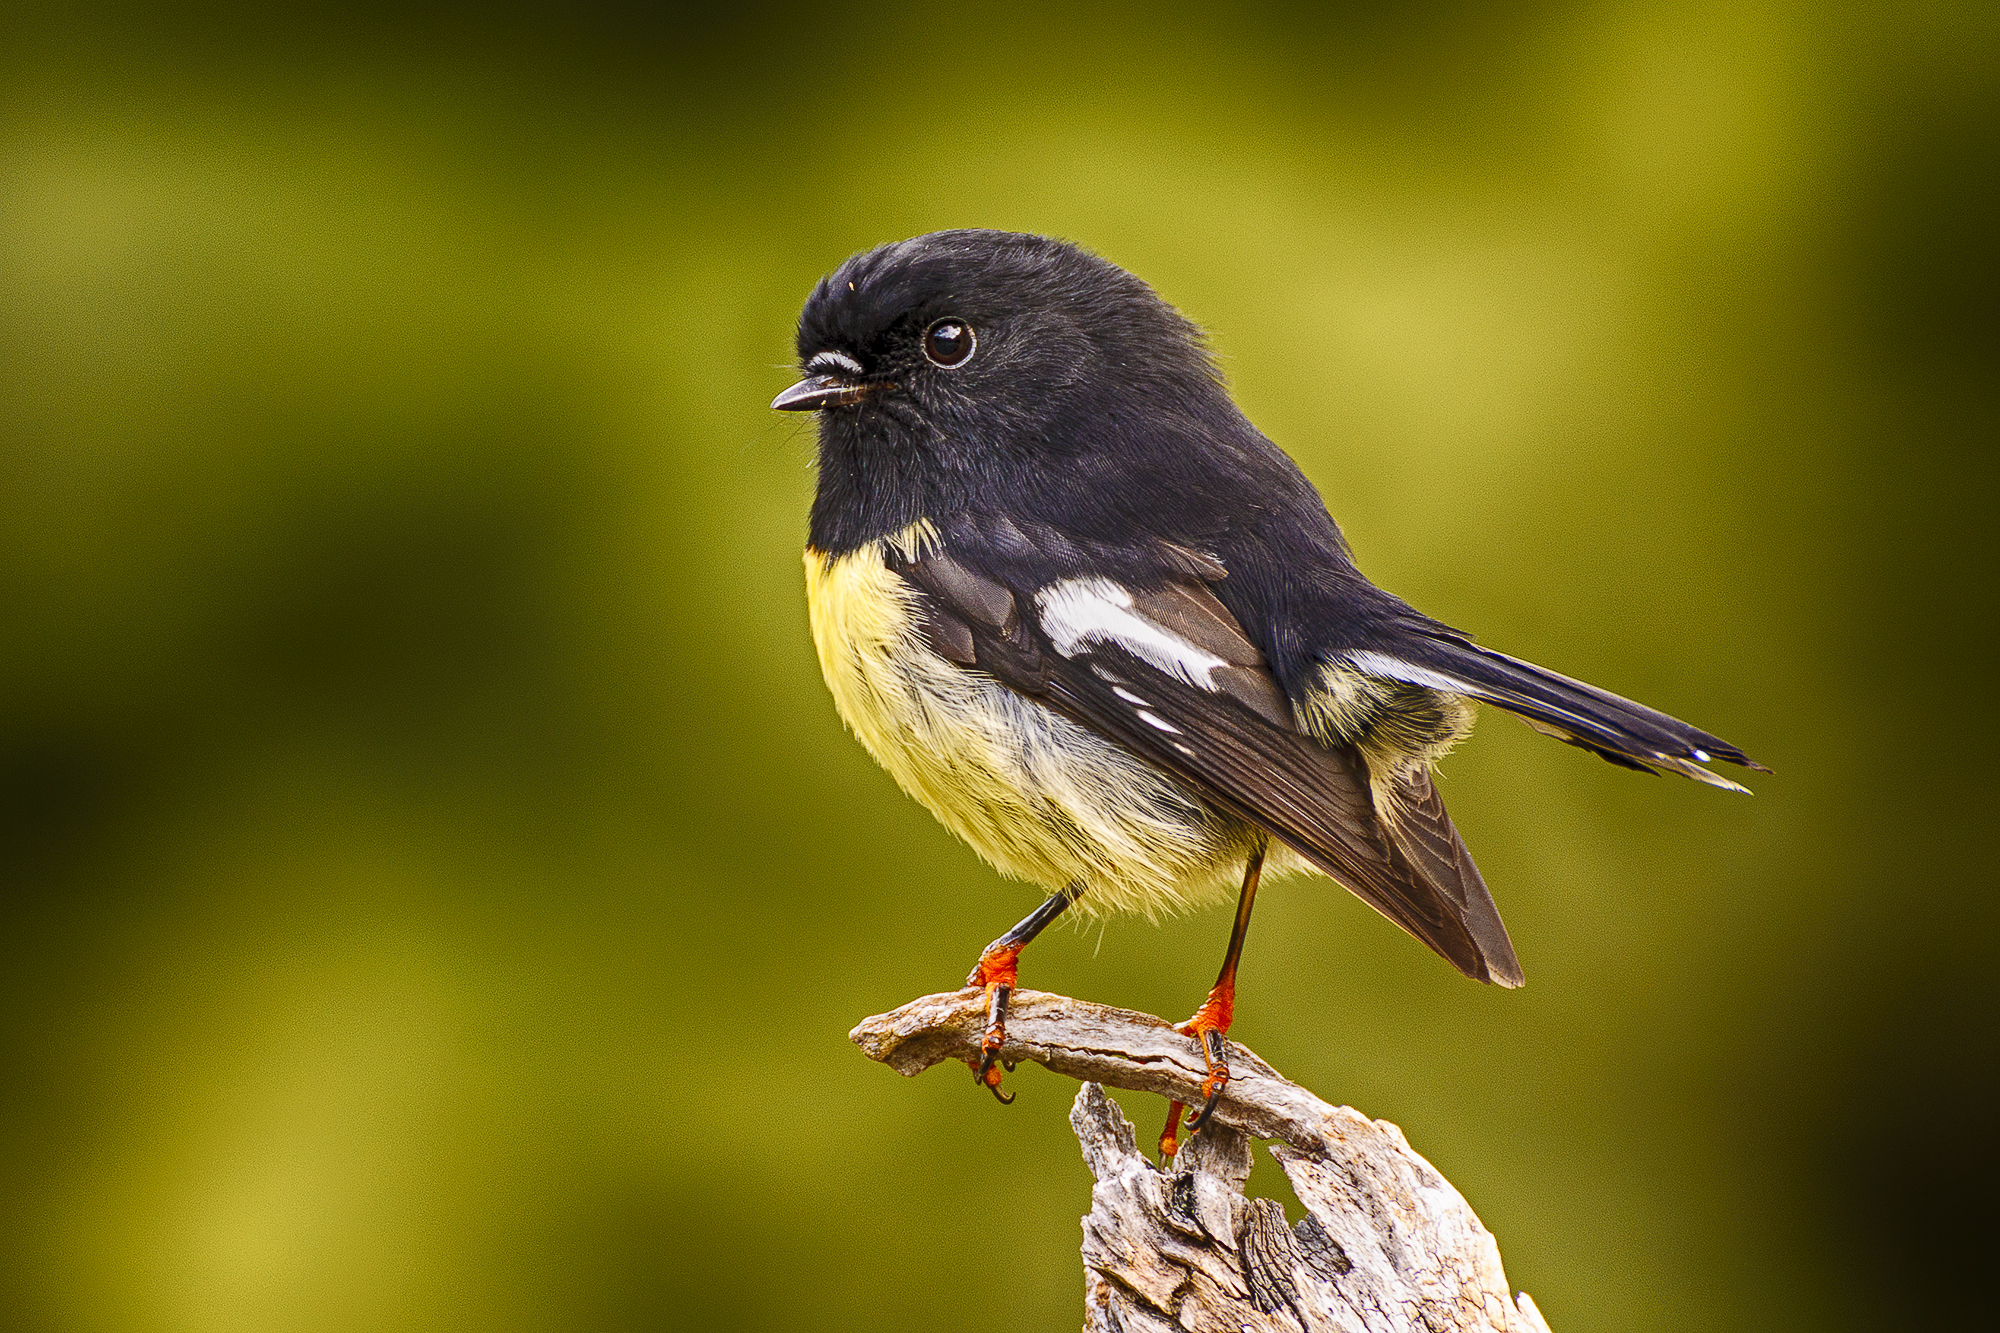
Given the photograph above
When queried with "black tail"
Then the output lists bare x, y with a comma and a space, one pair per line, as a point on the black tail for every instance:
1625, 733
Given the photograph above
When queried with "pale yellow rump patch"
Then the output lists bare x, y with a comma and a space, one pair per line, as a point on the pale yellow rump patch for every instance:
1398, 728
1038, 796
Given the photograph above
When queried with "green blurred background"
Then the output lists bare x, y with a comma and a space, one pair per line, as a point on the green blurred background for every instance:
437, 887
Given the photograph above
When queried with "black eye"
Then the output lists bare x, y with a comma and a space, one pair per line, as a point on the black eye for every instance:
948, 342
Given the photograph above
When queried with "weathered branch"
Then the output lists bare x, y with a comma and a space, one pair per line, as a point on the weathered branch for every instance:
1386, 1245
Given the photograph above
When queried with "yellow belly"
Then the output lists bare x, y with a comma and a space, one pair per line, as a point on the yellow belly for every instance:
1035, 794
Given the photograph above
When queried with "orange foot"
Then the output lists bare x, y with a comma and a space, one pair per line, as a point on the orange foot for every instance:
1209, 1027
995, 973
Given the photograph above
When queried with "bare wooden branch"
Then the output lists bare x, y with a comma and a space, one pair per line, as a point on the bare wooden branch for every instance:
1386, 1245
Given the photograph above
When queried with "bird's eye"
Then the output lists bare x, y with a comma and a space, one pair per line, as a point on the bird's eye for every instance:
948, 342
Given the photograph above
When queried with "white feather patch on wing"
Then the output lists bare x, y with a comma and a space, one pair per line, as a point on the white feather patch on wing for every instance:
1395, 668
1041, 797
1079, 612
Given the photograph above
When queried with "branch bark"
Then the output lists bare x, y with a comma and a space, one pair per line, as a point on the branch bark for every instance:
1387, 1245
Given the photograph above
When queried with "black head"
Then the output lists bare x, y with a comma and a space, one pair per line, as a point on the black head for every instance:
969, 368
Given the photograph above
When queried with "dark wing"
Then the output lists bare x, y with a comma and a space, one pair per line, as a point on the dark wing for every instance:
1159, 666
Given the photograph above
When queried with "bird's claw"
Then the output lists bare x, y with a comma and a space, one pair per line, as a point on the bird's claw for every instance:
1170, 1137
1214, 1053
1215, 1050
986, 1074
989, 1078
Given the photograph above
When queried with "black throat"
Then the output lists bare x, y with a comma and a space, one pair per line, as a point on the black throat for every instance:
877, 476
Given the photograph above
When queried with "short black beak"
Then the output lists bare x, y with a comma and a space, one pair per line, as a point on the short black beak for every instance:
816, 391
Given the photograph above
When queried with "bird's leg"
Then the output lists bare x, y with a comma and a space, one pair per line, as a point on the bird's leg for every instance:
994, 973
1210, 1024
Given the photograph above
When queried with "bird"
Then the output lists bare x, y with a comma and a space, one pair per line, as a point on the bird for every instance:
1086, 613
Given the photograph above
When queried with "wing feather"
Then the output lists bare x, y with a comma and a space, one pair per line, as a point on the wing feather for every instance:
1226, 730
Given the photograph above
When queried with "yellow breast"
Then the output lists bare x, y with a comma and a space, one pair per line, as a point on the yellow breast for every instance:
1037, 795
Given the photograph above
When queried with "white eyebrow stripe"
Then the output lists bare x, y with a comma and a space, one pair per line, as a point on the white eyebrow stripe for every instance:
1395, 668
842, 360
1076, 613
